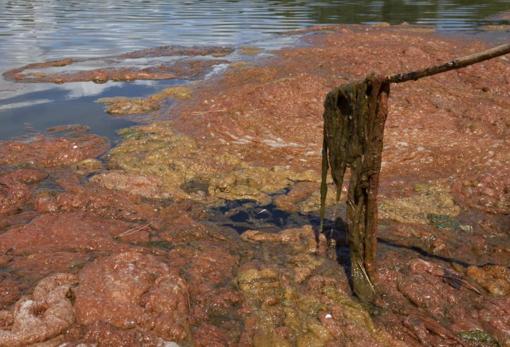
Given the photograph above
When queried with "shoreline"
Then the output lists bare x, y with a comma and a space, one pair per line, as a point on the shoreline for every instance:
147, 238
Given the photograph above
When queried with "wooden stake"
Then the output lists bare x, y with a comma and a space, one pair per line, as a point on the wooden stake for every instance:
354, 118
452, 65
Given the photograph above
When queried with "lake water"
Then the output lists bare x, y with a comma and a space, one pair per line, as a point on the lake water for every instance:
38, 30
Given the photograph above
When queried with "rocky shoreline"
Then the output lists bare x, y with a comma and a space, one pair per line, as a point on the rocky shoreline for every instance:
198, 228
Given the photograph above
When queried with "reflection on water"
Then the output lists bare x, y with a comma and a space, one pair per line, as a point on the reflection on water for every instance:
38, 30
32, 30
72, 103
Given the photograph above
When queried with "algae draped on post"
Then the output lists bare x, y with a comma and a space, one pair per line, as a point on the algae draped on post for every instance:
354, 119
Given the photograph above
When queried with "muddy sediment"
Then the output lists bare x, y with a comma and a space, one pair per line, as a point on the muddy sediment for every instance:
139, 245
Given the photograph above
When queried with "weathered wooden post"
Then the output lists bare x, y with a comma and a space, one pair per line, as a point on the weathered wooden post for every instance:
354, 119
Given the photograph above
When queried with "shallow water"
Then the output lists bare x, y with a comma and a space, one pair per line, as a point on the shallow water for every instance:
38, 30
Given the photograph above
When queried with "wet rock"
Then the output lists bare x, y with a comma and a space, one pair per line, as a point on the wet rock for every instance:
121, 74
496, 320
208, 335
13, 195
88, 166
443, 221
176, 160
304, 197
478, 337
127, 106
496, 27
95, 200
249, 50
51, 152
281, 315
209, 268
15, 190
494, 278
10, 290
61, 232
106, 335
33, 267
145, 186
26, 176
255, 183
132, 290
300, 239
179, 227
431, 200
166, 51
289, 301
42, 316
488, 190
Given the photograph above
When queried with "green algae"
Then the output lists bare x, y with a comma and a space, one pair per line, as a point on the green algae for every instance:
314, 309
250, 50
128, 106
184, 170
354, 118
480, 337
431, 201
442, 221
161, 244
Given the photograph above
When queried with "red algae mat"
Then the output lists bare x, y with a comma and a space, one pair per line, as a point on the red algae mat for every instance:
138, 245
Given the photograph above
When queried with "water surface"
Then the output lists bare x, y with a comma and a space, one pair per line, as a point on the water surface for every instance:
38, 30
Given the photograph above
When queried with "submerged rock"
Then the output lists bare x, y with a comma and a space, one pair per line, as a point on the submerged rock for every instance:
128, 106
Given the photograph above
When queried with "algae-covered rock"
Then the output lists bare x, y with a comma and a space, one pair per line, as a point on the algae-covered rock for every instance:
184, 170
290, 301
304, 197
301, 240
479, 337
494, 278
282, 313
127, 106
132, 290
274, 308
46, 314
145, 186
496, 27
430, 202
250, 50
51, 152
88, 166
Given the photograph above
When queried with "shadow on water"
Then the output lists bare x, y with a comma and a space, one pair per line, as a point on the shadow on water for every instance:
243, 215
